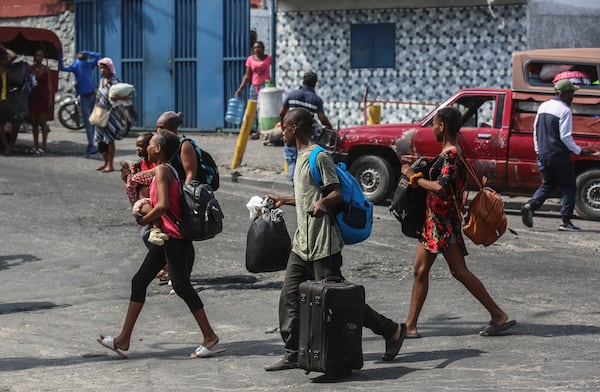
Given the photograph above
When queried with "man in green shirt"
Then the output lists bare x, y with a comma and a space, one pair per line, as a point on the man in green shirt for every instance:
317, 245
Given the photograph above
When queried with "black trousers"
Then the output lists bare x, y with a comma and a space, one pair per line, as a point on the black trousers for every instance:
179, 257
298, 271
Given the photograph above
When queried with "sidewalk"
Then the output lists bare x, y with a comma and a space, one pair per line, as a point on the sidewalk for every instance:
261, 165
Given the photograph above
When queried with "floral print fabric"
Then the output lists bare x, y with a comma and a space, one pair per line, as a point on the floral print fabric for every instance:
442, 224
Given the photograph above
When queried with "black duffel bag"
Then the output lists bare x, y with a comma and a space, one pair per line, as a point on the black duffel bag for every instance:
408, 203
268, 245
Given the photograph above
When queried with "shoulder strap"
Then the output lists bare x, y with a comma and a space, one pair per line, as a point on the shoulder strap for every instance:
180, 184
471, 171
196, 147
312, 166
174, 172
459, 210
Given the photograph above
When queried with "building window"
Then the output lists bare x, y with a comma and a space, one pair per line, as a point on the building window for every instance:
373, 45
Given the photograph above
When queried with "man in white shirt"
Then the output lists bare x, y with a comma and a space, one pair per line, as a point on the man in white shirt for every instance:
553, 143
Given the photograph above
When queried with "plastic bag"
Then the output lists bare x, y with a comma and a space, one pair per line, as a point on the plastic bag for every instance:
121, 90
254, 206
268, 243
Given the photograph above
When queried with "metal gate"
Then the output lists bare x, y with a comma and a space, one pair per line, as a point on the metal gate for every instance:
236, 46
183, 55
185, 61
132, 56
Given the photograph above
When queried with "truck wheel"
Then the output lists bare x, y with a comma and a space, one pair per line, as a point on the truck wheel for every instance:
374, 176
587, 200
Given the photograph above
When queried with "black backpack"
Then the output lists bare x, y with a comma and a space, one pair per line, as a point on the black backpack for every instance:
208, 171
201, 214
408, 203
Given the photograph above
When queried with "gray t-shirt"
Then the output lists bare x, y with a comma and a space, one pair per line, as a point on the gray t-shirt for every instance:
322, 232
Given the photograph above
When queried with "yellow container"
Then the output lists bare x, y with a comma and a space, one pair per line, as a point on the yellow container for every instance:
374, 112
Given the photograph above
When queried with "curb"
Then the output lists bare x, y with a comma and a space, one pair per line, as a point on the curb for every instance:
264, 183
511, 203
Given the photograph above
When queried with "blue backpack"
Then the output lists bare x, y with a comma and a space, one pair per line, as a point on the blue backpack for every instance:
355, 214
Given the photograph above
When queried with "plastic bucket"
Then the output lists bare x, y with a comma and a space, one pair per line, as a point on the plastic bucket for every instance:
270, 100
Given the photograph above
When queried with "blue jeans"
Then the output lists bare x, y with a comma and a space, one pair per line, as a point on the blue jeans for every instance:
557, 172
291, 154
254, 96
86, 104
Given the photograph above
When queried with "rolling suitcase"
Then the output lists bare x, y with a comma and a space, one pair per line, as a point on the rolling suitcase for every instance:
331, 321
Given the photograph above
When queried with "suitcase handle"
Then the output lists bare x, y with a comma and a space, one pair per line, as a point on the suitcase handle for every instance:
333, 279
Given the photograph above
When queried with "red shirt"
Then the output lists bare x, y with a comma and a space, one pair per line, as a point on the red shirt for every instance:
167, 225
146, 164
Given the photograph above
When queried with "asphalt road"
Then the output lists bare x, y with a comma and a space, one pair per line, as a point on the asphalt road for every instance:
69, 247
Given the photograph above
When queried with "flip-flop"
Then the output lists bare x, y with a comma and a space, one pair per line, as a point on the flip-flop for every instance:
203, 352
415, 335
393, 347
493, 329
109, 343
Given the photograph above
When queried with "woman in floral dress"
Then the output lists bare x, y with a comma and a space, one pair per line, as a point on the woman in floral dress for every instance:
442, 230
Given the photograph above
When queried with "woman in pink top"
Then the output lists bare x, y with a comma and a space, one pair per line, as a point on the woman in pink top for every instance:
177, 250
258, 70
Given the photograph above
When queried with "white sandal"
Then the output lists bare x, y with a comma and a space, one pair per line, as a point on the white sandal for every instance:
203, 352
109, 343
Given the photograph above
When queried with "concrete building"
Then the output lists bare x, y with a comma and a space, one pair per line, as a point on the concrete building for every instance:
417, 52
189, 55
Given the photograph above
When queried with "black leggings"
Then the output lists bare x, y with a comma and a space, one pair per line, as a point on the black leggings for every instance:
179, 257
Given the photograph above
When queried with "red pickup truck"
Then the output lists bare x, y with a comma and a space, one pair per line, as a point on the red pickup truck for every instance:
496, 137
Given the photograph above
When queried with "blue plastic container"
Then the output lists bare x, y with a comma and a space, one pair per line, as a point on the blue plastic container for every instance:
235, 111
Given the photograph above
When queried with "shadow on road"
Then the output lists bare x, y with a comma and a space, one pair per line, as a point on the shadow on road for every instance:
234, 282
12, 260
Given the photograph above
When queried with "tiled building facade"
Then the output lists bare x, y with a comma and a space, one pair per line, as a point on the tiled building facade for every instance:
437, 51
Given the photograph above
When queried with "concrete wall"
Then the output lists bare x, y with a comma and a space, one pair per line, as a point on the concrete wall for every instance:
260, 20
563, 24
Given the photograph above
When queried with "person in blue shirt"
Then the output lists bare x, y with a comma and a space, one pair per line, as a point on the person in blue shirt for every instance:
83, 69
304, 97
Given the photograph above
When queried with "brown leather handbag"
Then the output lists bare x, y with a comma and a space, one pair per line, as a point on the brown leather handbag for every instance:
485, 221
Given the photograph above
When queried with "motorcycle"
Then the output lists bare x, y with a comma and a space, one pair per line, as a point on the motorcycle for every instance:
71, 117
69, 113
